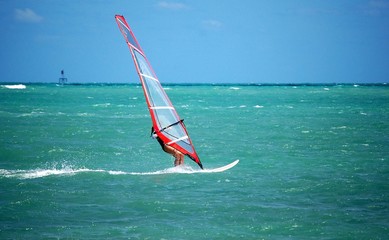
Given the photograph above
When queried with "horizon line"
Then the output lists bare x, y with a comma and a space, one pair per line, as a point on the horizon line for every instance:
203, 84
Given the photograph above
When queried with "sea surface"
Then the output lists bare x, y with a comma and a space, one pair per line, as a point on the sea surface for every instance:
77, 162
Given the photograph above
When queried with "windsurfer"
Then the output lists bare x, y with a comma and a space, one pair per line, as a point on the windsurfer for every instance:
178, 156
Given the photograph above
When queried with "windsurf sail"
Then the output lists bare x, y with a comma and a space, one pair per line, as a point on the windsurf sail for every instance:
168, 126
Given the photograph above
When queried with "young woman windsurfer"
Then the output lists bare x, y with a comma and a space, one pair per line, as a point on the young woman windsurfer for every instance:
178, 156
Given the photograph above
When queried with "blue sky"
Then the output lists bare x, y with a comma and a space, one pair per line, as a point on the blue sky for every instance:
204, 41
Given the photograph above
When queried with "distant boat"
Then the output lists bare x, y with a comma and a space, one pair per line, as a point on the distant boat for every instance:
168, 126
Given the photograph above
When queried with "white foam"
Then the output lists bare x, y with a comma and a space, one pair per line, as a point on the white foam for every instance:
102, 105
179, 169
339, 127
39, 173
16, 86
117, 172
69, 171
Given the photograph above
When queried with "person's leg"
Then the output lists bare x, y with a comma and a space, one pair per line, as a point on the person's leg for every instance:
178, 156
169, 150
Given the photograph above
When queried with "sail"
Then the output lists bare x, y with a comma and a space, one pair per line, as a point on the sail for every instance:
168, 126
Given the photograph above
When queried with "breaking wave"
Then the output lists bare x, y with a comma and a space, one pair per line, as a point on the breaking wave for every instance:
17, 86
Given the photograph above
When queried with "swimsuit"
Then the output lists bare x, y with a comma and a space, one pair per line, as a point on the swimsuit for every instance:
158, 139
161, 143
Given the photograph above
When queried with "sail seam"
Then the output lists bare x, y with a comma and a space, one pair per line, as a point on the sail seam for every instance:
144, 75
161, 107
177, 140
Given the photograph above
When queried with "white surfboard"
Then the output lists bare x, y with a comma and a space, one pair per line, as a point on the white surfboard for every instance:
222, 169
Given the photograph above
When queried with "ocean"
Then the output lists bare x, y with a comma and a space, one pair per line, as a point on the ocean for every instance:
77, 162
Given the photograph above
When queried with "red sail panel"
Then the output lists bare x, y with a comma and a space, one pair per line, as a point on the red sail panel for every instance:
166, 122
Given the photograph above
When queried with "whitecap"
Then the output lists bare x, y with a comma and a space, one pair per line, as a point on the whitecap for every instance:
102, 105
258, 106
16, 86
340, 127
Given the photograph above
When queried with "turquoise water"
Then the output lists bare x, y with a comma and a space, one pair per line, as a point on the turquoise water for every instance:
76, 161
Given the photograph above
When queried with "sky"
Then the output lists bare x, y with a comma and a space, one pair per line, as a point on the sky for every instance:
202, 41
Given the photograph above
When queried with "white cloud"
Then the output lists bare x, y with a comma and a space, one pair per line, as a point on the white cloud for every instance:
379, 4
171, 5
27, 15
212, 24
376, 7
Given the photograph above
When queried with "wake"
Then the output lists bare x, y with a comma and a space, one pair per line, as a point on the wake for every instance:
40, 173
